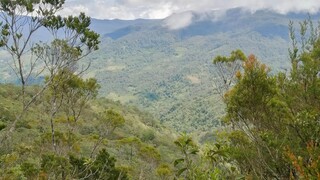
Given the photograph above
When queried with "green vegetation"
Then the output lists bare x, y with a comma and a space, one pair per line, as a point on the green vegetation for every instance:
60, 130
271, 126
272, 120
56, 130
138, 142
173, 78
169, 73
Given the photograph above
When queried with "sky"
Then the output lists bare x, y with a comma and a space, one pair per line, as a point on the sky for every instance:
160, 9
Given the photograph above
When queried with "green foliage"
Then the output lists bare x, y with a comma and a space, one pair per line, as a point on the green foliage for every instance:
255, 91
2, 125
235, 55
227, 70
73, 91
30, 170
71, 40
68, 94
275, 118
150, 153
184, 164
75, 143
121, 64
102, 167
212, 161
250, 106
55, 166
63, 101
147, 135
112, 119
272, 119
170, 75
164, 171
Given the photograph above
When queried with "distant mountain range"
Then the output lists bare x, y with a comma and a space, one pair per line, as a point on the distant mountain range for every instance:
165, 66
188, 24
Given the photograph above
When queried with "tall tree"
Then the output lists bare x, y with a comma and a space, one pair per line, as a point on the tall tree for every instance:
69, 94
109, 121
71, 41
275, 118
227, 68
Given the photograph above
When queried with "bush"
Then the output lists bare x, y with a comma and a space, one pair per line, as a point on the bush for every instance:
2, 125
147, 135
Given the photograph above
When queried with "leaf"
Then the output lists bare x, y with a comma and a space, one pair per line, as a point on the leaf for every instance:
242, 177
178, 143
194, 151
178, 161
218, 146
181, 171
189, 140
233, 169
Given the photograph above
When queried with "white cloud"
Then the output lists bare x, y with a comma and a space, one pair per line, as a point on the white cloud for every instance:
159, 9
178, 21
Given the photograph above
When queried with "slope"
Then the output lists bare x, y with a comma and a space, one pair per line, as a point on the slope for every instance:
168, 72
140, 145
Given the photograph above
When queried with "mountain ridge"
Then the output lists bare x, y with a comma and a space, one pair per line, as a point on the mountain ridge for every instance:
169, 72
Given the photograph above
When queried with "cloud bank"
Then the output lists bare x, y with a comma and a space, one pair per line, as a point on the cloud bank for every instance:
178, 21
159, 9
181, 20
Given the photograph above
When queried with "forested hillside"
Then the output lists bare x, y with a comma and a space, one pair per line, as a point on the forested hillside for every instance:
139, 143
51, 124
249, 119
169, 72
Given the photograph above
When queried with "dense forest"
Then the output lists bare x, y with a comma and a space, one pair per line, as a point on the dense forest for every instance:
57, 127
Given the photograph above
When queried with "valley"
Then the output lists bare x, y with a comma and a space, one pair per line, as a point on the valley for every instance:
170, 74
214, 94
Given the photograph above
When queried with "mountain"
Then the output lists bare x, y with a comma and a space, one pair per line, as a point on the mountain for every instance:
110, 26
169, 72
165, 66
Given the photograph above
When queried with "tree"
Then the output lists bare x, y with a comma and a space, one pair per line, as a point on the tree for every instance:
109, 121
100, 167
275, 118
164, 171
70, 94
249, 108
151, 156
227, 68
72, 40
20, 21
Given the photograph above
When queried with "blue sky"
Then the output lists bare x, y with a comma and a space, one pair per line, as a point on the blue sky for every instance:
159, 9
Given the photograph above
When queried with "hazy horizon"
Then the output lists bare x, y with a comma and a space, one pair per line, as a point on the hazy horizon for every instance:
160, 9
